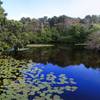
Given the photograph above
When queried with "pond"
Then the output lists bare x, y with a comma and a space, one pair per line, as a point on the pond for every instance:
53, 73
61, 55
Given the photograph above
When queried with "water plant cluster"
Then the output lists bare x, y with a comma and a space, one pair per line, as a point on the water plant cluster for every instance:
10, 68
9, 72
47, 85
21, 81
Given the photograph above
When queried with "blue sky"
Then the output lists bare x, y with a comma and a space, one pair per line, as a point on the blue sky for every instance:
39, 8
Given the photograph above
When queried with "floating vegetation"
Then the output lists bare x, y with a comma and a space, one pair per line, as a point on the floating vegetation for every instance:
32, 82
48, 83
10, 68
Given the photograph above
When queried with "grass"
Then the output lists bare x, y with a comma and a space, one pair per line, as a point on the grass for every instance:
23, 49
39, 45
81, 44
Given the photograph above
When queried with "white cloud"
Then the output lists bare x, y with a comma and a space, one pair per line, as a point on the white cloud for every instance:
25, 15
17, 17
84, 7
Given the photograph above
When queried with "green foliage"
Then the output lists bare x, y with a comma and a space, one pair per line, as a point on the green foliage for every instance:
62, 29
15, 85
9, 68
3, 46
93, 41
78, 34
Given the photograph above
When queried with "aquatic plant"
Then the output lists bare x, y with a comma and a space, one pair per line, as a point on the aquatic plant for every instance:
32, 82
10, 68
48, 83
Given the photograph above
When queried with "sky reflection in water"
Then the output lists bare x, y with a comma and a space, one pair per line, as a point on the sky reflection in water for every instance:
86, 81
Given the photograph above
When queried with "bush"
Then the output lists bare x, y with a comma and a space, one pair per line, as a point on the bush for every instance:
93, 41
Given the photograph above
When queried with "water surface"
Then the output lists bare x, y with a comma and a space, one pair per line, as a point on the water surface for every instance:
86, 81
60, 73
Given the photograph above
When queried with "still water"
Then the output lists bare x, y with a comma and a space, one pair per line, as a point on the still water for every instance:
62, 73
61, 55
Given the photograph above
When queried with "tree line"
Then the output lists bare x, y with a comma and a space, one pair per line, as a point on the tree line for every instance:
62, 29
